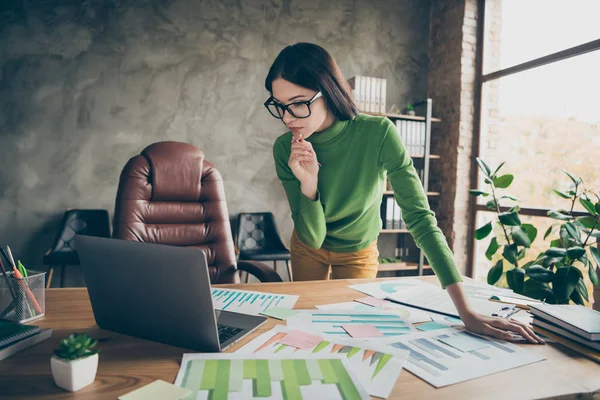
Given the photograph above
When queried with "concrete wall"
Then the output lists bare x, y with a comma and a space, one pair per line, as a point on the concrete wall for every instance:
85, 85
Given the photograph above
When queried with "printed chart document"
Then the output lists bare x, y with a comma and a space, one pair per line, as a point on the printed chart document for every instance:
448, 356
412, 315
436, 299
243, 376
383, 289
376, 365
247, 302
330, 322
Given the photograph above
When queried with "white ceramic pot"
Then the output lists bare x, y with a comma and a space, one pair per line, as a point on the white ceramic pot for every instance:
76, 374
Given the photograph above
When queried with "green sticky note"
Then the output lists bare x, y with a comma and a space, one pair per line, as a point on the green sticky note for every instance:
157, 390
279, 313
430, 326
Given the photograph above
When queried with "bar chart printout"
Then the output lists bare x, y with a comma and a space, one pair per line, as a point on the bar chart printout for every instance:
330, 322
237, 377
378, 366
248, 302
447, 356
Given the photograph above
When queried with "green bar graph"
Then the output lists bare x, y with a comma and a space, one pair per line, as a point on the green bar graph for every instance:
209, 377
215, 378
221, 387
302, 372
262, 384
289, 385
347, 388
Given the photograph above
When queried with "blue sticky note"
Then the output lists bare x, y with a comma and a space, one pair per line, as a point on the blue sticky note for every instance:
430, 326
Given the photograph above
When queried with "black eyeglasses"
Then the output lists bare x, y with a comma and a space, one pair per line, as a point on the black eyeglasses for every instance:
299, 109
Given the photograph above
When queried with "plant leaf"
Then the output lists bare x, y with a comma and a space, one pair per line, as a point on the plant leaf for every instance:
588, 222
596, 255
597, 207
495, 273
491, 250
498, 169
549, 231
564, 282
582, 290
576, 181
588, 205
592, 273
516, 209
576, 297
558, 215
561, 194
575, 252
516, 278
510, 253
509, 218
506, 196
531, 231
538, 290
484, 168
556, 252
503, 181
491, 205
520, 237
484, 231
573, 231
474, 192
540, 274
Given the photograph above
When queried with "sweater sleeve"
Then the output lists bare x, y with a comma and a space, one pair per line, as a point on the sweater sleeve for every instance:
419, 218
308, 215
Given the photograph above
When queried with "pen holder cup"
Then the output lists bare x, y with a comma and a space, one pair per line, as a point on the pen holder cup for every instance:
23, 300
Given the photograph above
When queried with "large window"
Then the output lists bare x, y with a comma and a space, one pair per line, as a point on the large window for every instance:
539, 115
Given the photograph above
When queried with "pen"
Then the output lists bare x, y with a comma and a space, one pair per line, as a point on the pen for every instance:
6, 256
301, 140
12, 260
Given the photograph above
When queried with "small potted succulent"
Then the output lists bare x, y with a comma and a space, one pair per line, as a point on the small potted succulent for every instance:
409, 110
75, 362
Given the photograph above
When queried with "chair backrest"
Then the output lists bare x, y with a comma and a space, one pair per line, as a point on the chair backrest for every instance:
169, 194
83, 222
257, 232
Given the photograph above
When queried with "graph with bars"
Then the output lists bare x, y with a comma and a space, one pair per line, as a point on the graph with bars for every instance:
248, 302
377, 366
332, 322
228, 378
448, 356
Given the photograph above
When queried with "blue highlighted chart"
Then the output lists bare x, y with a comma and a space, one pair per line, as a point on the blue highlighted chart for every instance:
247, 302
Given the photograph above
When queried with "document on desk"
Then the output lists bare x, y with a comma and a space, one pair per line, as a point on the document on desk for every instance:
435, 299
383, 289
377, 366
330, 322
245, 376
448, 356
247, 302
412, 315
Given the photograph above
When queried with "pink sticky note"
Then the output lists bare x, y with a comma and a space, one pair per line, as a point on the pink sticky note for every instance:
301, 340
362, 331
373, 302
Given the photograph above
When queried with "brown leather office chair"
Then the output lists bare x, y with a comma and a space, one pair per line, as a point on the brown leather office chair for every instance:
169, 194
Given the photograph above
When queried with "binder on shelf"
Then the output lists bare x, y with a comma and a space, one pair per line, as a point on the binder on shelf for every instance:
390, 212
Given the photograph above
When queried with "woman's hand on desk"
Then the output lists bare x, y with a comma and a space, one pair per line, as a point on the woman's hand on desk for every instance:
499, 327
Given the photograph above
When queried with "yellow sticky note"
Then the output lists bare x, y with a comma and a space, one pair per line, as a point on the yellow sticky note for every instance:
157, 390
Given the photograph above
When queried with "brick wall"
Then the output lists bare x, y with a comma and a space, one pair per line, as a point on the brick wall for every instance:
452, 50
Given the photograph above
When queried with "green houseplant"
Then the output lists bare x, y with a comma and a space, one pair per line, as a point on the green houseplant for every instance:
511, 237
75, 362
555, 275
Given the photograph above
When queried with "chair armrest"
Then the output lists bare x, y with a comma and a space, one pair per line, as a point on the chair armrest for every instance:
261, 271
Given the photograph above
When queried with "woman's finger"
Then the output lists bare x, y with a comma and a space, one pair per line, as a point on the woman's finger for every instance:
500, 334
528, 329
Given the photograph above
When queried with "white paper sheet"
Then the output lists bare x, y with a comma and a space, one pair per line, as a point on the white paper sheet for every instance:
412, 315
247, 302
376, 365
440, 364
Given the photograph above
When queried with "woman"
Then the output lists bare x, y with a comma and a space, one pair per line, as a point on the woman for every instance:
333, 163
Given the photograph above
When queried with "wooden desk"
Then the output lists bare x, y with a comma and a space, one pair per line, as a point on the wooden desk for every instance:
127, 363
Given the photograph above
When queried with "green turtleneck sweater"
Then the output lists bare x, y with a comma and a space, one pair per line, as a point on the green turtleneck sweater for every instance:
356, 156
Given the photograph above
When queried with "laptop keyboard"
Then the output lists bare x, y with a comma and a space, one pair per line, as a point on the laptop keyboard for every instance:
227, 332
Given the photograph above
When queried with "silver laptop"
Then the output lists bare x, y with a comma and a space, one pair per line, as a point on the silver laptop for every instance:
157, 292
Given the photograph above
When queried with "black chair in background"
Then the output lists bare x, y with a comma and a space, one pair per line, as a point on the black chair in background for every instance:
63, 253
257, 239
